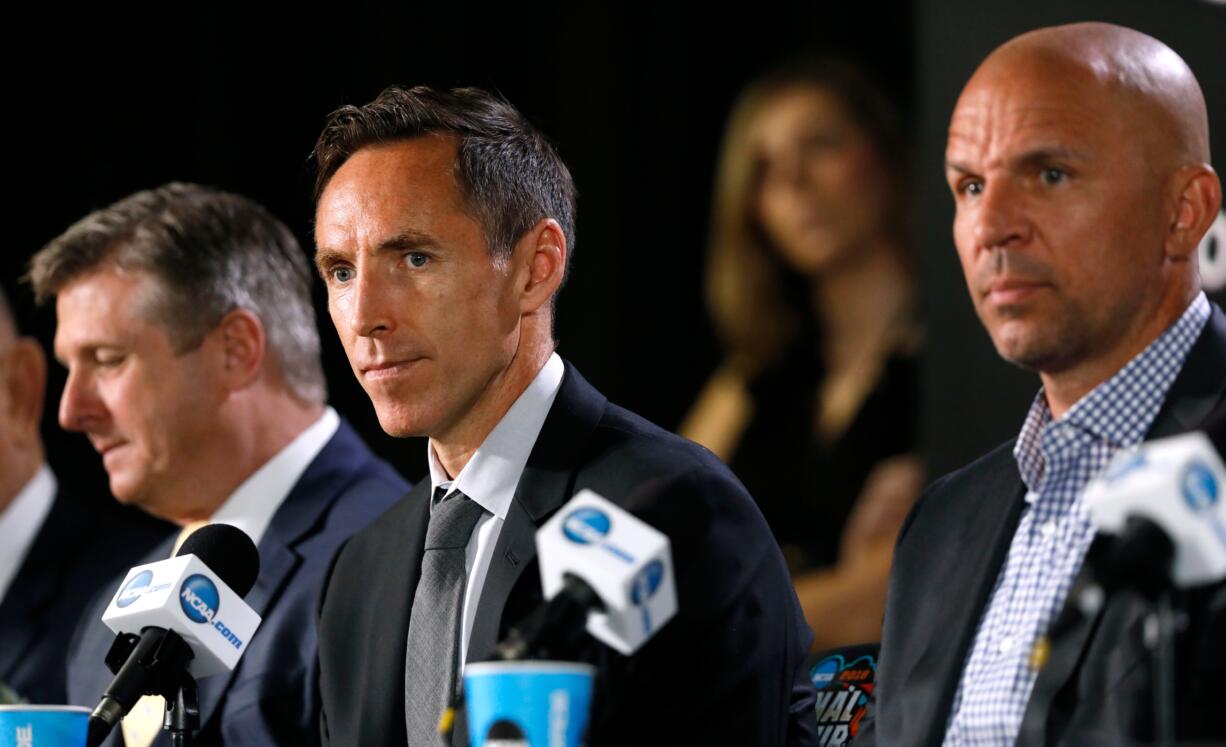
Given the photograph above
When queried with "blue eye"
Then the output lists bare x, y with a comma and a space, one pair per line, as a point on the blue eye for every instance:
417, 259
973, 187
1053, 176
342, 274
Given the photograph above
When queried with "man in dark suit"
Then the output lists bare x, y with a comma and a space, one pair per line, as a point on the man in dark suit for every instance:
444, 230
185, 321
1078, 157
56, 552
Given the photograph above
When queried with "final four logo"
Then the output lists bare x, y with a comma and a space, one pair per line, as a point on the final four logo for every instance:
844, 685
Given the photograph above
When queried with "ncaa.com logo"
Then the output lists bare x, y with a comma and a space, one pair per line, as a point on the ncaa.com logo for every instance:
141, 585
591, 526
201, 601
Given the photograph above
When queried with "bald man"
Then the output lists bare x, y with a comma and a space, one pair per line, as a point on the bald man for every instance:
55, 553
1078, 158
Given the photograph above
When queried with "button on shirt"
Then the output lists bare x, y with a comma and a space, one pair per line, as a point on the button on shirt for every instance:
491, 476
1056, 459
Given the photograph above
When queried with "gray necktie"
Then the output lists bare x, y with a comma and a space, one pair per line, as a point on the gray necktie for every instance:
434, 624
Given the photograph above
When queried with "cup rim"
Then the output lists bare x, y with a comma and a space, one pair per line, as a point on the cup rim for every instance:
44, 708
527, 666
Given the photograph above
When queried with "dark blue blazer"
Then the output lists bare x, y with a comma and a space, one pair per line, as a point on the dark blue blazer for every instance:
271, 697
1098, 683
728, 669
78, 551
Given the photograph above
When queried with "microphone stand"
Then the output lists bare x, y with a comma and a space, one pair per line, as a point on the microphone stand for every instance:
183, 713
1164, 668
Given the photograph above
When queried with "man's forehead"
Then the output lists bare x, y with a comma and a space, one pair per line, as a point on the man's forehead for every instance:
1029, 111
100, 307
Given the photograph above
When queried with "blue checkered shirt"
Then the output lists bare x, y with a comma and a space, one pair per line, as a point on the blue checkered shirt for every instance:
1056, 458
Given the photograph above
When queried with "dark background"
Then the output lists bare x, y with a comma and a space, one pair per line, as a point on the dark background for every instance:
102, 103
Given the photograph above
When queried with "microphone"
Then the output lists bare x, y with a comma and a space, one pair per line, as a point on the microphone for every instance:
603, 570
1163, 512
179, 618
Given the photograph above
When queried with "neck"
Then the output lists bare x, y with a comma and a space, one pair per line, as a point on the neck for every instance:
456, 445
1063, 388
254, 427
859, 301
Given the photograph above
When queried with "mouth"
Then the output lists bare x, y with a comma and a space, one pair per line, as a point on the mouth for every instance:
109, 449
388, 369
1003, 291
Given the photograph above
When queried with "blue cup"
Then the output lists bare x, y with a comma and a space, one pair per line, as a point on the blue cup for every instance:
43, 726
528, 703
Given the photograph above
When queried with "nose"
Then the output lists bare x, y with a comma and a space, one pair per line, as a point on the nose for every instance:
369, 306
81, 408
1000, 217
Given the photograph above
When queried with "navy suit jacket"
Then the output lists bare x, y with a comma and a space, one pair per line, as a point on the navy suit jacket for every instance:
78, 551
728, 669
1097, 685
271, 696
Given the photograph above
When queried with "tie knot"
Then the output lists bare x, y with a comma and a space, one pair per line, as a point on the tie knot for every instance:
452, 521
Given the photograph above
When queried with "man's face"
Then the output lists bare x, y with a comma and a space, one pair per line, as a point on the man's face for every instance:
426, 316
147, 411
1059, 222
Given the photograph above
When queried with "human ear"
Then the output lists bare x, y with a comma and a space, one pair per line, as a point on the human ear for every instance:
241, 343
540, 257
1197, 195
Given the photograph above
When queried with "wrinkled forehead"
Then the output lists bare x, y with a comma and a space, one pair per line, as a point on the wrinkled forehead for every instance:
1020, 99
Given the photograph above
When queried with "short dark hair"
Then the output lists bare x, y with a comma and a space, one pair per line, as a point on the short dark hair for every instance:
209, 252
509, 174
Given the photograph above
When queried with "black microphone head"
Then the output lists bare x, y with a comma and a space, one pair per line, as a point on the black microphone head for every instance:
228, 552
1215, 429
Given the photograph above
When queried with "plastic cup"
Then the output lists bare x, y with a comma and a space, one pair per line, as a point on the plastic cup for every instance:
528, 703
43, 726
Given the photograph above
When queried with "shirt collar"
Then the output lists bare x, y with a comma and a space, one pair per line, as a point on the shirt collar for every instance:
21, 521
1121, 409
252, 505
492, 473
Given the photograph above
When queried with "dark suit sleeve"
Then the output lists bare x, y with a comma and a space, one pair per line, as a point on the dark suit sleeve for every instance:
726, 669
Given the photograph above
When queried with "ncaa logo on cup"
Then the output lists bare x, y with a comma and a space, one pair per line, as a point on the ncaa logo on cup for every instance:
134, 589
585, 526
199, 598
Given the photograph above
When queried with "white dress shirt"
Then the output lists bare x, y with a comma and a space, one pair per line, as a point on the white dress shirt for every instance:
21, 521
252, 505
491, 476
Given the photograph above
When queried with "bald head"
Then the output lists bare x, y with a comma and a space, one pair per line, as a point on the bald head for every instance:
1146, 83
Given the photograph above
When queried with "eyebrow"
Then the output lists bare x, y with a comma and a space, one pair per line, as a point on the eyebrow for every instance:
1030, 158
402, 242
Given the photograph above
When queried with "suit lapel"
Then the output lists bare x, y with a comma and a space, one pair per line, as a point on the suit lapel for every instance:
307, 501
986, 535
547, 482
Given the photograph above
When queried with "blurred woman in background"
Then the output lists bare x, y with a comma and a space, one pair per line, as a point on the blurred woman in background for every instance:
811, 290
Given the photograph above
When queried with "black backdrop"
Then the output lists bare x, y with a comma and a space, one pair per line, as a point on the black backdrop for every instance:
104, 102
